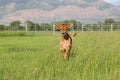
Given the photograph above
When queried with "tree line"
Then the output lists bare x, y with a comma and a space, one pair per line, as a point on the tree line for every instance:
107, 25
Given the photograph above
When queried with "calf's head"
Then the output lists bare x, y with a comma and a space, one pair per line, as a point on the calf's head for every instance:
63, 28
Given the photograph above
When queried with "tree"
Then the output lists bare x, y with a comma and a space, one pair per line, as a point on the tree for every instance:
30, 25
38, 27
100, 25
46, 26
15, 25
88, 27
77, 24
2, 27
109, 21
95, 27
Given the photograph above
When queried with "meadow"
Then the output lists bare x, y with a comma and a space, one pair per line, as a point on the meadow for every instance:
36, 56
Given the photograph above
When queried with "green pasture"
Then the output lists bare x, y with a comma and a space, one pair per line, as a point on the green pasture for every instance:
36, 56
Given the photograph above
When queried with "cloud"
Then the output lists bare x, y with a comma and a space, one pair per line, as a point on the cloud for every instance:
114, 2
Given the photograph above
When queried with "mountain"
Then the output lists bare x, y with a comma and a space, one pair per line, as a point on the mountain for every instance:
52, 10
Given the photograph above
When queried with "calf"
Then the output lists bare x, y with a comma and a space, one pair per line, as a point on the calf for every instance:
65, 40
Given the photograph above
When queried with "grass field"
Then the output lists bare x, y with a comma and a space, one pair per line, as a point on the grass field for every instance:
94, 56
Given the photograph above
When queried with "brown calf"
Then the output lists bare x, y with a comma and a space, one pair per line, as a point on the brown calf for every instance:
65, 40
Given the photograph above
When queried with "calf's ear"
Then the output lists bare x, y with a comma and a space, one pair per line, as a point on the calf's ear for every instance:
70, 25
57, 26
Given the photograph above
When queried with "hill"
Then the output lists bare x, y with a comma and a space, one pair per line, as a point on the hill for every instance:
50, 10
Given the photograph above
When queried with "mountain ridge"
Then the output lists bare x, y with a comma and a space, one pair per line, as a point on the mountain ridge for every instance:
85, 11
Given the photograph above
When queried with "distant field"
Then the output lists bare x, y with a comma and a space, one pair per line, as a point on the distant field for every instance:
36, 56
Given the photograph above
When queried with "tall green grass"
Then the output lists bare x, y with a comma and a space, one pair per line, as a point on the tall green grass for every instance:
15, 34
94, 56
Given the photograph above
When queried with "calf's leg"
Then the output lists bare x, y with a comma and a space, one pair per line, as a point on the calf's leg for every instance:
66, 55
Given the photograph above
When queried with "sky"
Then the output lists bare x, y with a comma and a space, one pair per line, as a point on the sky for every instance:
114, 2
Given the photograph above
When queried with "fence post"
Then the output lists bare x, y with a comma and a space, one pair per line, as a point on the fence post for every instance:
91, 27
111, 27
82, 27
26, 27
53, 28
35, 27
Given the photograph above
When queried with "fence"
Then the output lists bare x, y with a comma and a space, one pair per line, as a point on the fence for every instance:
96, 27
93, 27
51, 27
82, 27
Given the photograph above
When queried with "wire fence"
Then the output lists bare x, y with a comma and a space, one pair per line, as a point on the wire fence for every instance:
91, 27
51, 27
